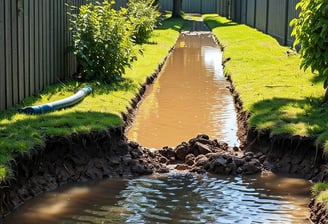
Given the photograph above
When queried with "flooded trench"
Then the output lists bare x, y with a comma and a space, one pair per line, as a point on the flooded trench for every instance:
181, 103
189, 97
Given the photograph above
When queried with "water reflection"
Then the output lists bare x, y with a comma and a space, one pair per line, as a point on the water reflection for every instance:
189, 97
174, 198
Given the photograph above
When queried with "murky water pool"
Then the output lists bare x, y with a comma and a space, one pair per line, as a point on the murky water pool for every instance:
173, 198
189, 97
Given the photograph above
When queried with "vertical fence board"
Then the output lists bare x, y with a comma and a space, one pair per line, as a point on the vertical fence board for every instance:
8, 54
32, 47
250, 13
52, 41
37, 41
26, 50
47, 52
261, 15
56, 40
21, 80
276, 19
14, 53
60, 39
41, 44
2, 56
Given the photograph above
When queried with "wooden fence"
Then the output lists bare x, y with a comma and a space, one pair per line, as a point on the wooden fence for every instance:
34, 37
269, 16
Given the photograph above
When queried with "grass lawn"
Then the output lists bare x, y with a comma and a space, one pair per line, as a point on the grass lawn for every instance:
278, 95
101, 110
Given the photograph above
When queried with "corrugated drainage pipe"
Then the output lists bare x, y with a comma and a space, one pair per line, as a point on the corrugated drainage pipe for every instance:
59, 104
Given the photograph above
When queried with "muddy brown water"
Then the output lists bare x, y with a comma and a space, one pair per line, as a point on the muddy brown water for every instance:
189, 97
178, 197
172, 198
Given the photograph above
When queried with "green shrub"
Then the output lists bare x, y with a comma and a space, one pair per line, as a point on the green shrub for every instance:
311, 32
143, 14
102, 41
319, 187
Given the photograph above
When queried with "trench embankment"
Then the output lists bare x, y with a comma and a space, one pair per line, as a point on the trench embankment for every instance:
102, 154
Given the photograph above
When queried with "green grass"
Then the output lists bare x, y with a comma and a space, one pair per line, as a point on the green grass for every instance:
279, 96
320, 192
101, 110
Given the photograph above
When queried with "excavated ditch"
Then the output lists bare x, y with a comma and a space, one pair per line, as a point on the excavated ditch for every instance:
97, 155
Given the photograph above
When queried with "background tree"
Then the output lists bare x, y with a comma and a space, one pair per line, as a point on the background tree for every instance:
311, 34
177, 7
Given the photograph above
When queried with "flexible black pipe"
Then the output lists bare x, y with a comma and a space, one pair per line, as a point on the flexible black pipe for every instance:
59, 104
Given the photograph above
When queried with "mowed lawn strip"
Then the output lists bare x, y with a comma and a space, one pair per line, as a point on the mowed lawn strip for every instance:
101, 110
278, 94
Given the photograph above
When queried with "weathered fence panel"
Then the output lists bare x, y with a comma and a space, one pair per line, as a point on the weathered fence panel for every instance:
261, 15
209, 6
277, 19
250, 15
3, 95
270, 16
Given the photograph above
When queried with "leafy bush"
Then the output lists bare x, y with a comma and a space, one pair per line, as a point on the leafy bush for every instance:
311, 33
102, 41
143, 15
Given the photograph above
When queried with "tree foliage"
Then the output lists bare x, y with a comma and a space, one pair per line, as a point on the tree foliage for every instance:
143, 15
311, 34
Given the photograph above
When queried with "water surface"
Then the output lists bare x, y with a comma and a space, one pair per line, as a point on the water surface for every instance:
189, 97
173, 198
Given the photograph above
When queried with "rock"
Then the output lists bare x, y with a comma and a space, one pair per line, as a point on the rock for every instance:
251, 167
181, 151
163, 159
182, 167
189, 160
239, 162
249, 154
258, 155
167, 152
203, 136
201, 160
262, 158
200, 148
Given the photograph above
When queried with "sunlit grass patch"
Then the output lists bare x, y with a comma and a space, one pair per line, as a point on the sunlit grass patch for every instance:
320, 192
277, 93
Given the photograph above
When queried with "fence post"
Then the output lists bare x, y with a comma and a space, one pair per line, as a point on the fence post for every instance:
255, 6
286, 22
267, 17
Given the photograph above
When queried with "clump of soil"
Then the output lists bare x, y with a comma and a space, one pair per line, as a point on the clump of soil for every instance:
319, 212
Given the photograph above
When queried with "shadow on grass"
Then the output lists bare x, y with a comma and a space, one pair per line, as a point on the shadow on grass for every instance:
172, 23
280, 114
213, 22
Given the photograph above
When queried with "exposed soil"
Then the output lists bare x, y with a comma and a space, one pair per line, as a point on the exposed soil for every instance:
98, 155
